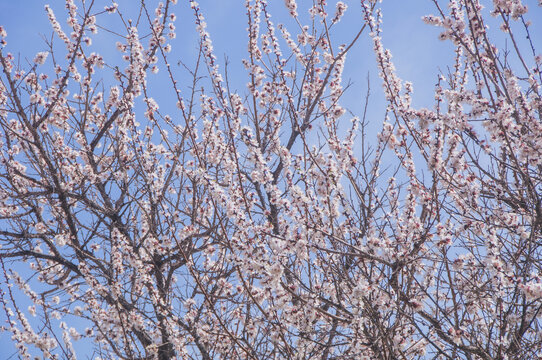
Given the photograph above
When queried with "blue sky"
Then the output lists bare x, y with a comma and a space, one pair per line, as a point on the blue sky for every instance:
418, 54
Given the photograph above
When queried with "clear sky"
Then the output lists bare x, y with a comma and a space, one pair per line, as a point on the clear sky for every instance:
418, 54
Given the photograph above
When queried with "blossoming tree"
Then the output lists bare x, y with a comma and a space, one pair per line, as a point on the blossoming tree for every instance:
263, 224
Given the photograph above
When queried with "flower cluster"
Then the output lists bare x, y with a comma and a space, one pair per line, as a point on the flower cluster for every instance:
267, 222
